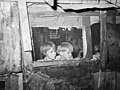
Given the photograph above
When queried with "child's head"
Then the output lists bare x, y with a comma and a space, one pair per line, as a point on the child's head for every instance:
96, 48
48, 49
65, 49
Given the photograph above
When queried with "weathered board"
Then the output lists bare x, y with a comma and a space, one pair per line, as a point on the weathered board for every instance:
64, 76
10, 43
86, 23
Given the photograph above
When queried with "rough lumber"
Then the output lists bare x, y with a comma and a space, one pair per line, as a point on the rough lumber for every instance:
37, 14
58, 63
103, 39
20, 81
55, 63
86, 23
10, 45
25, 29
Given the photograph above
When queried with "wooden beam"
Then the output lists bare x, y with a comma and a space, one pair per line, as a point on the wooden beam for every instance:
51, 14
78, 4
116, 2
20, 81
86, 23
57, 63
8, 0
25, 0
114, 20
24, 26
103, 39
81, 2
67, 1
60, 1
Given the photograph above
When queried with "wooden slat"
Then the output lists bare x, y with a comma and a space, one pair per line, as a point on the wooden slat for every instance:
56, 63
86, 23
10, 45
20, 81
84, 39
61, 1
11, 82
81, 3
50, 14
85, 5
117, 2
25, 0
8, 0
27, 58
103, 39
24, 24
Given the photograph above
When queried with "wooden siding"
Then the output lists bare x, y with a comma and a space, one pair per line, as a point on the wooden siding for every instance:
25, 30
10, 45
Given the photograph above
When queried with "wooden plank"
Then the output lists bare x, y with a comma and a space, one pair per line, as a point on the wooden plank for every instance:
86, 23
118, 81
27, 58
25, 33
72, 2
24, 24
49, 13
20, 81
114, 20
8, 0
84, 39
57, 63
63, 1
59, 1
86, 5
25, 0
11, 82
10, 46
104, 81
103, 39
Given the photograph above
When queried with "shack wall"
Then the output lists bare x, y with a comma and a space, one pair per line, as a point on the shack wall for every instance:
10, 42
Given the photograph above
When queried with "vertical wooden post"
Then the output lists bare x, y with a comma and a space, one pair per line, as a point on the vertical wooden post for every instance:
20, 81
86, 23
103, 39
25, 33
24, 24
114, 20
26, 38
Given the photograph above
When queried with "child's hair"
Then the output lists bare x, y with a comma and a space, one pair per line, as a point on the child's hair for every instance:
46, 46
64, 46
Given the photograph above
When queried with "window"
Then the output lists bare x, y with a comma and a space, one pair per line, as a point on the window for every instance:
73, 35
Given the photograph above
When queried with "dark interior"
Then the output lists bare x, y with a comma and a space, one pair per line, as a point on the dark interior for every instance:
57, 36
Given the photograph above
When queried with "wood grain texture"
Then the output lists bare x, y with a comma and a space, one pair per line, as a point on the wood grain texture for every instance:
10, 46
103, 39
24, 25
86, 23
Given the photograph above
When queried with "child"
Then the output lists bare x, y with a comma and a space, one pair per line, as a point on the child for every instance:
64, 50
48, 49
96, 53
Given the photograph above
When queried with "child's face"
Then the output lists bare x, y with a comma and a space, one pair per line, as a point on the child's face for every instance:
67, 55
51, 54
